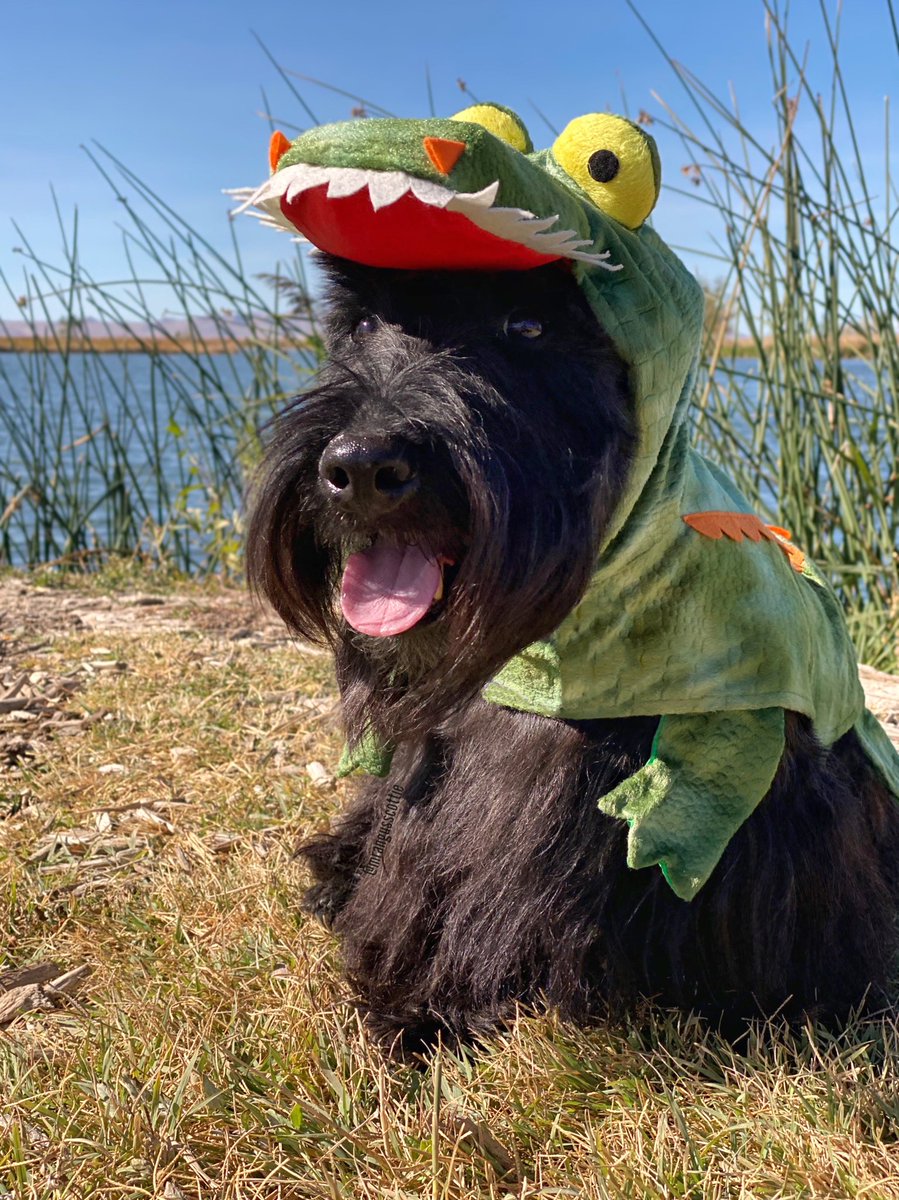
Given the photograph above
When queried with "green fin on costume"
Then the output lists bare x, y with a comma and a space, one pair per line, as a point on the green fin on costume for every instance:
697, 611
706, 776
370, 756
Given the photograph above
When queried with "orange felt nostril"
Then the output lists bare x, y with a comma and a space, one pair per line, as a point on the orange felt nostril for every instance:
276, 147
443, 153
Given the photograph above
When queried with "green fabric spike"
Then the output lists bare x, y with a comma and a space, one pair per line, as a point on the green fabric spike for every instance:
706, 776
370, 756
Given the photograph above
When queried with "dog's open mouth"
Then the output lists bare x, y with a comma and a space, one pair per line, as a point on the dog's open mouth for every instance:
393, 219
387, 589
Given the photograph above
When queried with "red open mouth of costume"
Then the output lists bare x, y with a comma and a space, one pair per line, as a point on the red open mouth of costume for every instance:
396, 220
409, 233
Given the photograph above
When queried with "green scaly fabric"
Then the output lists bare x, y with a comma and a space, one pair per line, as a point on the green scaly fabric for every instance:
715, 635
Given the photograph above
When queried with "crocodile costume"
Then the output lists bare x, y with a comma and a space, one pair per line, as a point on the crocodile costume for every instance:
697, 610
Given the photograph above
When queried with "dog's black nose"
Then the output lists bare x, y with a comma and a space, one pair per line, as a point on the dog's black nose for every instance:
367, 475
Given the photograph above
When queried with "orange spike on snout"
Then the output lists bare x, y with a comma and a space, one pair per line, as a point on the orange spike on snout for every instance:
443, 153
276, 147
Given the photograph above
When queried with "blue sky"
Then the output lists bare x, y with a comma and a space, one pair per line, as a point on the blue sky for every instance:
175, 91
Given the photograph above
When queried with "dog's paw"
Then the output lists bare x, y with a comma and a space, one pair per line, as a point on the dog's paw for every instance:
324, 901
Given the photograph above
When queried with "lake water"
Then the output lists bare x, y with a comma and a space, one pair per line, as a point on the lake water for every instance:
109, 450
93, 447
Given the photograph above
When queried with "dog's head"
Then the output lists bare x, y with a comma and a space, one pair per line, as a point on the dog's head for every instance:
436, 502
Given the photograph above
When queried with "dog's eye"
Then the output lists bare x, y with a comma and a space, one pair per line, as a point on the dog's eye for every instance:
366, 325
523, 327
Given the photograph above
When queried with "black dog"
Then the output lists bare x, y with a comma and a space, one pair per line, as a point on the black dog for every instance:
484, 418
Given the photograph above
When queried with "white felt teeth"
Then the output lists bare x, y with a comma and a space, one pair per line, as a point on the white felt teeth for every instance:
519, 225
386, 187
485, 197
268, 208
347, 183
430, 193
301, 181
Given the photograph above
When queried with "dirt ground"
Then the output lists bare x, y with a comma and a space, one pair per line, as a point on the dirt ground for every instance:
36, 689
34, 703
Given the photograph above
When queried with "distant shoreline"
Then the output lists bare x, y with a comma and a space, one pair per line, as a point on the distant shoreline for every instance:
851, 346
124, 345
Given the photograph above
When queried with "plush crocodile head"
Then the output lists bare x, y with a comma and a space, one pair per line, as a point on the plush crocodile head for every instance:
464, 193
470, 193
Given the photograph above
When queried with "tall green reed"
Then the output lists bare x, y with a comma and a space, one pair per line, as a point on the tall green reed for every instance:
111, 451
804, 409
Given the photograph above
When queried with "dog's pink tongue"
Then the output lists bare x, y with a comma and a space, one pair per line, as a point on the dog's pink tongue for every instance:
387, 589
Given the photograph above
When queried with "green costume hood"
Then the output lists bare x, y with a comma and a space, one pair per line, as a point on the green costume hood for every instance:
697, 611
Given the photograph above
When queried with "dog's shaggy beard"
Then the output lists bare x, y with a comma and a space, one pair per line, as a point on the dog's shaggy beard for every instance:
516, 409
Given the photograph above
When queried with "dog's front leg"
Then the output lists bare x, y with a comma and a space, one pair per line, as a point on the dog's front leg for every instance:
337, 856
353, 846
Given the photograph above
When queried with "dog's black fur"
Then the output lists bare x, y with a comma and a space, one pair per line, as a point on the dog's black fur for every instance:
500, 419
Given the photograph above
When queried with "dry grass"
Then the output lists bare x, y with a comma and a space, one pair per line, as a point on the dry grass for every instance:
213, 1052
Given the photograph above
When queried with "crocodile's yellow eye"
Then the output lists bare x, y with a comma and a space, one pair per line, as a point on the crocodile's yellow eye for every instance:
614, 162
501, 122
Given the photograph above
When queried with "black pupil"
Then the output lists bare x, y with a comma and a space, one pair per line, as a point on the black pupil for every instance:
603, 166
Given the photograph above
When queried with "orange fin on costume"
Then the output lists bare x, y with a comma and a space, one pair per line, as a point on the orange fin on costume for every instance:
738, 526
277, 146
794, 554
